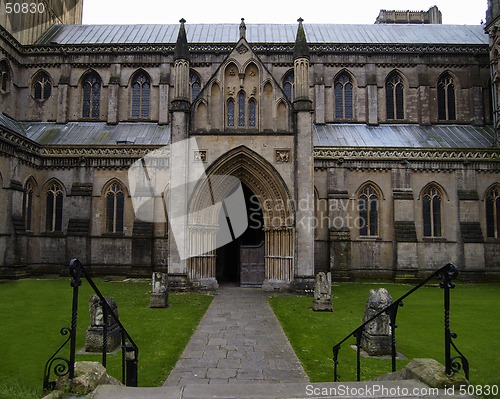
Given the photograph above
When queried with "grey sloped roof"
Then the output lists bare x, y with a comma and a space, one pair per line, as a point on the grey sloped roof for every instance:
267, 33
97, 133
407, 136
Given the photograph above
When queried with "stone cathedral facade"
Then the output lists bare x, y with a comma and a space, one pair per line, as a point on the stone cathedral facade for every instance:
370, 151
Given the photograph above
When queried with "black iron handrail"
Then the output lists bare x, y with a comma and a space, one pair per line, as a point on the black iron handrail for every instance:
63, 366
452, 364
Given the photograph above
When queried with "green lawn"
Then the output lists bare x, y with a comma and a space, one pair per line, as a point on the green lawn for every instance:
33, 311
420, 333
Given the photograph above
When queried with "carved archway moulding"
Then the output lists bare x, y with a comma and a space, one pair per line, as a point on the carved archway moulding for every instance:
277, 208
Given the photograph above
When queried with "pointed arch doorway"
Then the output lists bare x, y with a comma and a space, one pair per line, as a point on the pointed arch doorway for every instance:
262, 184
242, 261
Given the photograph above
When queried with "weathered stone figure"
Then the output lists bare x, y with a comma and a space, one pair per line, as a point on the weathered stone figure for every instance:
323, 292
94, 334
159, 292
376, 337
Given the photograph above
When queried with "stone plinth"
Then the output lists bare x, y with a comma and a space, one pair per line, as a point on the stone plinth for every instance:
376, 338
94, 337
159, 293
323, 292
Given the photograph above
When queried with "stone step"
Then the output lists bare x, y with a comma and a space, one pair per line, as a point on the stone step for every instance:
408, 389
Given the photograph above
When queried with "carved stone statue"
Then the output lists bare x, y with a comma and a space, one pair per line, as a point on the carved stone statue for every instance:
376, 337
159, 291
95, 333
323, 292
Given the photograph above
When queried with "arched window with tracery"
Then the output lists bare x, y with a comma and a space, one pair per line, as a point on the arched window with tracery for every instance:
194, 85
54, 207
288, 83
343, 96
230, 112
446, 98
432, 200
368, 205
28, 198
241, 108
91, 95
4, 76
252, 112
42, 86
394, 95
141, 93
115, 208
493, 212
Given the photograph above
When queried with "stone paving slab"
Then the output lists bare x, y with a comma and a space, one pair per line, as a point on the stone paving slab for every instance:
408, 389
239, 339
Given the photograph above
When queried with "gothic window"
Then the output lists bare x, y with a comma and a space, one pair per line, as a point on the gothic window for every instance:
54, 207
91, 95
194, 85
343, 97
42, 86
4, 77
230, 112
252, 111
288, 82
446, 98
431, 209
493, 212
115, 208
394, 95
28, 196
141, 92
368, 212
241, 108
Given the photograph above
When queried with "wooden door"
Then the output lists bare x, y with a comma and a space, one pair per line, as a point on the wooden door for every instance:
252, 266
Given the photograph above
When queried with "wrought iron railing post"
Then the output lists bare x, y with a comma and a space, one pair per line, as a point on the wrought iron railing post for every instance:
336, 349
393, 313
452, 364
105, 314
75, 270
358, 334
61, 365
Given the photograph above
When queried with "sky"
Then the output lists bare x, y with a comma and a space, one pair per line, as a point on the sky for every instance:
271, 11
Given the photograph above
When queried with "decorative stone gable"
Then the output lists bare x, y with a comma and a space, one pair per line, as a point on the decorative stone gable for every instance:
242, 97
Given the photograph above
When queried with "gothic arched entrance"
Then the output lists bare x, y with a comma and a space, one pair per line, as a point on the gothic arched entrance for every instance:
240, 259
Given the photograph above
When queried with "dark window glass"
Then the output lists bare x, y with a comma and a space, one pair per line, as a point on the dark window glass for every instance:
343, 97
91, 96
446, 99
288, 82
431, 212
368, 212
115, 208
28, 206
42, 86
54, 208
394, 95
241, 109
195, 85
230, 112
4, 75
493, 213
140, 96
252, 105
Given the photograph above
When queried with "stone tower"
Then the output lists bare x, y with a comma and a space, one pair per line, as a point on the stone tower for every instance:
304, 163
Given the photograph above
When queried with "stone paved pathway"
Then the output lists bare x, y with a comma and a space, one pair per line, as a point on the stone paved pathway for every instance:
239, 340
